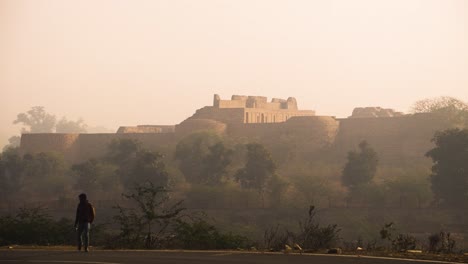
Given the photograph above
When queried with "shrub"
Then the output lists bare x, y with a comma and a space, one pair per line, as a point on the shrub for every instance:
35, 226
200, 234
441, 243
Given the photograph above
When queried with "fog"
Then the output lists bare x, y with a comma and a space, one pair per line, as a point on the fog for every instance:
155, 62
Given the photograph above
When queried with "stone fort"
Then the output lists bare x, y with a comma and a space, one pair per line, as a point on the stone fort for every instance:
395, 136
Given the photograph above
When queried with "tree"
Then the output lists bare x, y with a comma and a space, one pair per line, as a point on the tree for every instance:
361, 166
449, 178
69, 126
452, 109
13, 142
121, 151
37, 120
202, 158
259, 169
149, 167
442, 103
11, 173
45, 173
152, 218
87, 174
215, 164
135, 164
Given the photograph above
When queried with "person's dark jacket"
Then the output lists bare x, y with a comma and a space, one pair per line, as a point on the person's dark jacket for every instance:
84, 213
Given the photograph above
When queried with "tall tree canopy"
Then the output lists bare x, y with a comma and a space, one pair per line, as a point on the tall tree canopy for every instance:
451, 109
36, 120
136, 164
203, 158
70, 126
258, 170
449, 176
361, 166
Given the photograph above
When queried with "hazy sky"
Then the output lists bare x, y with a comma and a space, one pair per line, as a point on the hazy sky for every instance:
115, 62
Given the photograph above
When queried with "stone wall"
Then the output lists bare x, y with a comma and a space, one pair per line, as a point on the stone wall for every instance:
261, 102
255, 115
47, 142
306, 134
197, 125
80, 147
225, 115
146, 129
396, 139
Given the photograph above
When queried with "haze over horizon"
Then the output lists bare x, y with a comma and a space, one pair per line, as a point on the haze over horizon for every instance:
116, 63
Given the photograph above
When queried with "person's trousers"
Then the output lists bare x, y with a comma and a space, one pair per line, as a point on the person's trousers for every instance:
83, 235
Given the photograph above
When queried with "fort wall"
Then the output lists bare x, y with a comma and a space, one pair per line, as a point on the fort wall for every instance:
147, 129
396, 139
197, 125
260, 102
309, 133
48, 142
225, 115
80, 147
254, 115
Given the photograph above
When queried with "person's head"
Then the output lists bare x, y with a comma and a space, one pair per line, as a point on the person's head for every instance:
82, 197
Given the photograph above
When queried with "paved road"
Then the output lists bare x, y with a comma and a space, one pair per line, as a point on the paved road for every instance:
179, 257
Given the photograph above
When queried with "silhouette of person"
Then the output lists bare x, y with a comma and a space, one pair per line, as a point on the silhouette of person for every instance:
84, 217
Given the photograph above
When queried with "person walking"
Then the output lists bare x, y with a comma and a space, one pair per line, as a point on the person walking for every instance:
84, 217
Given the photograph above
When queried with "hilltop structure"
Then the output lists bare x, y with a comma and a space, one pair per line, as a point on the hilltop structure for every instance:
395, 136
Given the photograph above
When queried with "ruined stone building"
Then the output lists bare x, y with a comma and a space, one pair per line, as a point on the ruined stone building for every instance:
395, 136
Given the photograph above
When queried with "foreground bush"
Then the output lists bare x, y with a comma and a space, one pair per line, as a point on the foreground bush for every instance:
35, 226
202, 235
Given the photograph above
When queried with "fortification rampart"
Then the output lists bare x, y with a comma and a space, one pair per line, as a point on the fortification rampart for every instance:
242, 101
146, 129
310, 133
48, 142
396, 139
251, 109
80, 147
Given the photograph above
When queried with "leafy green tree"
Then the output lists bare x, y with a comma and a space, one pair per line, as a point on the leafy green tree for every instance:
152, 218
361, 166
69, 126
215, 164
11, 173
278, 187
149, 167
46, 173
36, 120
312, 187
452, 109
120, 151
13, 142
135, 164
88, 174
203, 158
259, 169
449, 178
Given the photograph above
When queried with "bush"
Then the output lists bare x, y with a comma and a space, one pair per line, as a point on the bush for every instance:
441, 243
34, 226
311, 236
202, 235
314, 237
